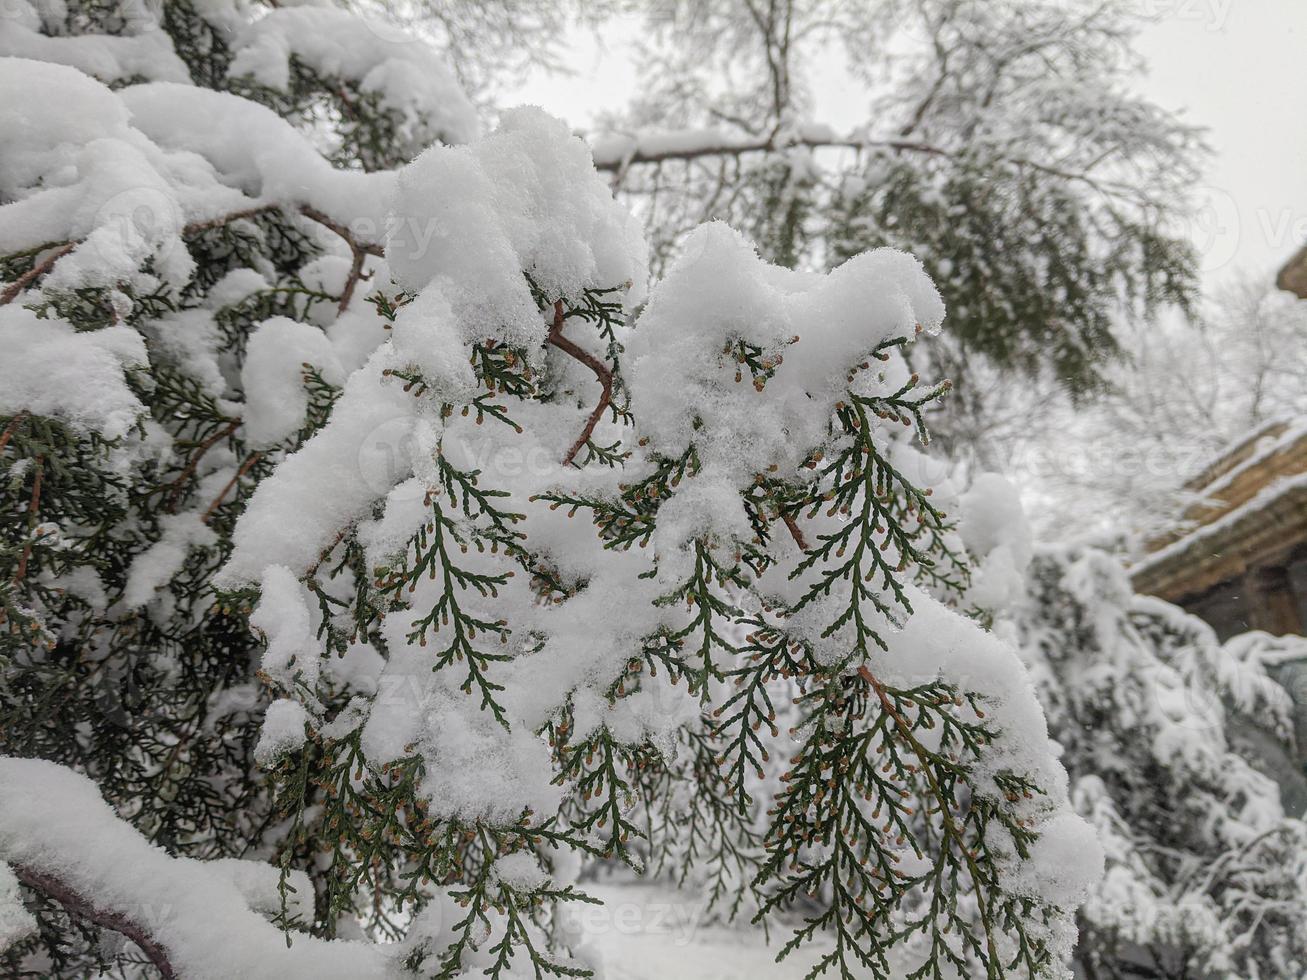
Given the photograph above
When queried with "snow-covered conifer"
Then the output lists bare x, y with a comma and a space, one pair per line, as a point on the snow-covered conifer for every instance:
1205, 873
361, 541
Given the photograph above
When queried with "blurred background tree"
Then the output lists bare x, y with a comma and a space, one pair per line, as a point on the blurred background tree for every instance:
1002, 146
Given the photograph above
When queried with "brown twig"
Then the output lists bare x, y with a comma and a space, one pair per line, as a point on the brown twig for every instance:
11, 428
195, 227
600, 370
250, 460
32, 508
176, 485
358, 250
796, 532
35, 272
83, 908
355, 274
322, 556
314, 214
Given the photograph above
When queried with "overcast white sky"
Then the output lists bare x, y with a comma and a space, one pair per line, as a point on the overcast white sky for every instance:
1233, 66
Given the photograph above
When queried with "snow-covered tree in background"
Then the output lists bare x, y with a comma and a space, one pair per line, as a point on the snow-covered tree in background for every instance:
492, 44
1003, 146
1206, 875
364, 562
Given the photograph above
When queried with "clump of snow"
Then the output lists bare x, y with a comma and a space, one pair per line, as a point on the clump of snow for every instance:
720, 293
284, 731
54, 821
107, 57
997, 535
158, 564
521, 871
285, 617
190, 341
51, 369
406, 74
257, 882
524, 199
1065, 864
272, 377
237, 285
257, 151
290, 519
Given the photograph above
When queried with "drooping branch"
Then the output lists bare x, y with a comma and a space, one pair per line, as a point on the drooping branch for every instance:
81, 907
600, 370
946, 815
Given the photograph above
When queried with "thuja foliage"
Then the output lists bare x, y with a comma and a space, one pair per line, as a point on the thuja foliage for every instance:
271, 579
153, 696
877, 813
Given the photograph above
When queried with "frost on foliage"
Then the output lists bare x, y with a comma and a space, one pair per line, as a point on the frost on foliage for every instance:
1147, 704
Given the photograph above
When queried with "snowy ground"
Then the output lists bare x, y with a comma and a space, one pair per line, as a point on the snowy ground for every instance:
653, 932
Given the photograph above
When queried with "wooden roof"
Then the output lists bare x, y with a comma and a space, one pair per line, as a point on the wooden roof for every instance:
1253, 514
1293, 276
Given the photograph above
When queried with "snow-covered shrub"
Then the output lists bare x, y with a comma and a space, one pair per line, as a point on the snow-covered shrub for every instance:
511, 554
1206, 875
